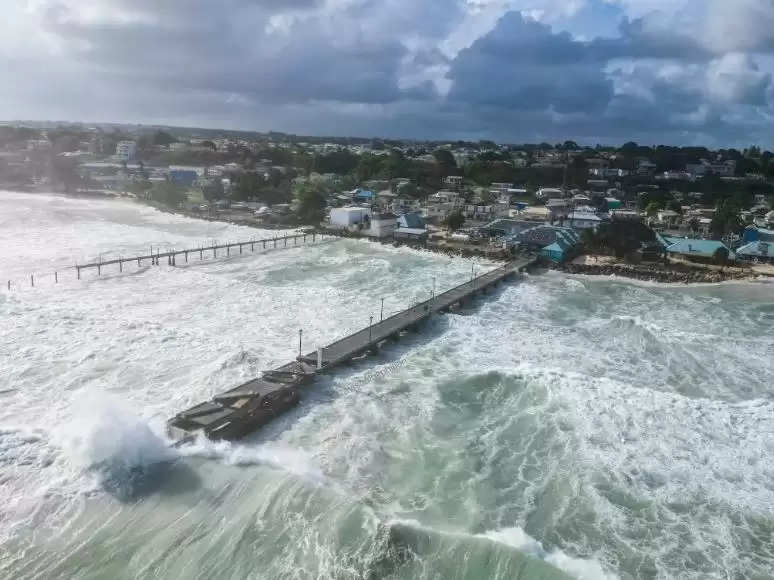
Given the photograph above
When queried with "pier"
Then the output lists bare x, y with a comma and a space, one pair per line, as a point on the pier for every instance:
241, 410
171, 257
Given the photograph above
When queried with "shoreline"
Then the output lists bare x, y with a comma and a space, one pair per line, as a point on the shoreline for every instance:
672, 274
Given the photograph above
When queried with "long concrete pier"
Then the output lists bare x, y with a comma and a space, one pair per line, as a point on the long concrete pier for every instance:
239, 411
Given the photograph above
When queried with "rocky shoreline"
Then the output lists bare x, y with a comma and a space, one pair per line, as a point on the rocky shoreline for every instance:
675, 274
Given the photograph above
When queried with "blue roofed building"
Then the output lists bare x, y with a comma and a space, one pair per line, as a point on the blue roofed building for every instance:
364, 195
758, 251
700, 250
552, 242
411, 226
756, 234
183, 176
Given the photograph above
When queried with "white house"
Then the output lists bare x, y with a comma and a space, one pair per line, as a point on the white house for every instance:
126, 150
347, 217
582, 220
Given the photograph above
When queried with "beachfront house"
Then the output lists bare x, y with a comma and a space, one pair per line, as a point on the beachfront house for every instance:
697, 250
554, 243
411, 227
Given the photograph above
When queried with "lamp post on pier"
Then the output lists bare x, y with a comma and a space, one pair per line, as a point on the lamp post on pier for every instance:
370, 326
300, 334
381, 316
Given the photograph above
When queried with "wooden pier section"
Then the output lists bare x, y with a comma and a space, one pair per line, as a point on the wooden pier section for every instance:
239, 411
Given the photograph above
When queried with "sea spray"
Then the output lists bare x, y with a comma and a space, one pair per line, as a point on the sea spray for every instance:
276, 455
105, 437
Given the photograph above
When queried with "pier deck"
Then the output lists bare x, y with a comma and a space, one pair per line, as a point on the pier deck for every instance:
243, 409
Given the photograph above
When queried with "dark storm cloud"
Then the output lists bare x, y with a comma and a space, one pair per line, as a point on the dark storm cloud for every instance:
523, 65
382, 67
650, 37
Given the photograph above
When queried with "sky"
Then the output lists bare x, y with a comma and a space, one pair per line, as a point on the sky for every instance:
681, 72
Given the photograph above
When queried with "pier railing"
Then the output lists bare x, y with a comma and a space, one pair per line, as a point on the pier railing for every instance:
171, 256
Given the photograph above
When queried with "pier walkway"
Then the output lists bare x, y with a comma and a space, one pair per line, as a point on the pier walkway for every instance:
243, 409
172, 256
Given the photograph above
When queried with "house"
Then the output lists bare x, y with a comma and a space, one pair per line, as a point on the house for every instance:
553, 243
383, 225
756, 252
445, 196
558, 208
668, 217
453, 182
126, 150
500, 187
478, 211
504, 227
583, 220
437, 212
598, 186
549, 193
699, 250
364, 194
411, 227
185, 177
350, 217
756, 234
646, 167
537, 213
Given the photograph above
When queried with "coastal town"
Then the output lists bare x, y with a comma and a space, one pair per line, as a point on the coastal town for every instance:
635, 210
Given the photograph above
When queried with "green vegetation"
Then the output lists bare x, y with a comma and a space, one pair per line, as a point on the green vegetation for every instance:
617, 238
726, 219
169, 194
454, 221
310, 203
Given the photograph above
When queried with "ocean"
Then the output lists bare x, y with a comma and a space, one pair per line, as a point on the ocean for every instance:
561, 427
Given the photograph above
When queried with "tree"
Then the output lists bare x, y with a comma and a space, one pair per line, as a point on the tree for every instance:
63, 172
213, 190
720, 256
445, 159
247, 186
653, 208
694, 224
618, 237
726, 219
675, 206
310, 203
168, 193
163, 138
454, 221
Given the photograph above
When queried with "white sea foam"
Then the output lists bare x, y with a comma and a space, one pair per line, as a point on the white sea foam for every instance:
277, 455
580, 568
623, 420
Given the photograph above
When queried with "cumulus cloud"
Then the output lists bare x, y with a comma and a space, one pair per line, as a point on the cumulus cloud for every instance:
507, 69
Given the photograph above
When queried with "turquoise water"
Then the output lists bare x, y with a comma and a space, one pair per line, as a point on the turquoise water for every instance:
564, 427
